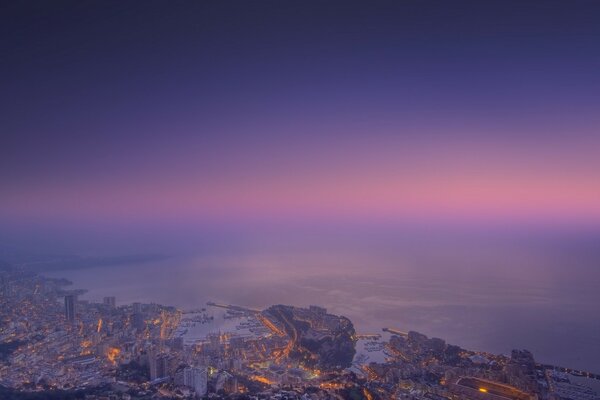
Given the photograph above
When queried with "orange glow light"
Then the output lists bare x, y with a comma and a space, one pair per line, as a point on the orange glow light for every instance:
261, 379
113, 353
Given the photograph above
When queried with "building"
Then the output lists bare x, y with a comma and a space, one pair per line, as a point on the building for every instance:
226, 382
70, 301
5, 289
159, 365
137, 308
138, 320
110, 301
197, 379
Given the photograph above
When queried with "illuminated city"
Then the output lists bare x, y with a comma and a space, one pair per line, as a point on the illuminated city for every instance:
53, 341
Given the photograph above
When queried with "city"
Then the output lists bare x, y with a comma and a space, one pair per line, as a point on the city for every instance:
53, 342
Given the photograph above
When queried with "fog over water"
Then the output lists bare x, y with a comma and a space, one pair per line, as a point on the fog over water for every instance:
492, 293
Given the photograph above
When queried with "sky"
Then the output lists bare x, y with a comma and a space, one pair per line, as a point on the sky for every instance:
218, 112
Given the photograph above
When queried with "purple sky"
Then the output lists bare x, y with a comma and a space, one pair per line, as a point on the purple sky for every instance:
239, 111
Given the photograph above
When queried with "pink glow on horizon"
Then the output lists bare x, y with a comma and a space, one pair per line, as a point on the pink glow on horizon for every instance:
355, 179
340, 196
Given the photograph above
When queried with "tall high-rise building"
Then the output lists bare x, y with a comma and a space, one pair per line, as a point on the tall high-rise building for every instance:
197, 379
138, 322
137, 308
70, 300
159, 365
137, 318
4, 286
110, 301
